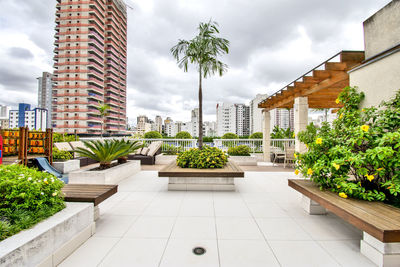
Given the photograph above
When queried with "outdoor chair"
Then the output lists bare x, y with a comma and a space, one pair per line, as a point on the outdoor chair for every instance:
84, 161
147, 155
287, 154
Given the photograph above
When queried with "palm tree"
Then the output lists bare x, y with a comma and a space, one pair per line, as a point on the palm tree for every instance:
203, 51
103, 110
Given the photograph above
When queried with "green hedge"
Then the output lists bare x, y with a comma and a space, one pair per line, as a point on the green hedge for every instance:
27, 196
230, 136
241, 150
206, 158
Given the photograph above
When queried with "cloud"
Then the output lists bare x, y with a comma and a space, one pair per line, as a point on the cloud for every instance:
272, 43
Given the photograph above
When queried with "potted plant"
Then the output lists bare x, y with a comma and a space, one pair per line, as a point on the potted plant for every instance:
241, 155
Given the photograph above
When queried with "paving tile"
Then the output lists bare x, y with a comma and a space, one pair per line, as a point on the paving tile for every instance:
245, 253
128, 208
267, 210
322, 227
301, 253
281, 229
179, 253
197, 208
151, 227
113, 225
135, 252
194, 227
347, 253
91, 252
163, 209
232, 208
237, 228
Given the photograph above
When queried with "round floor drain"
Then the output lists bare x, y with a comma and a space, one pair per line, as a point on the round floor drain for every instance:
199, 251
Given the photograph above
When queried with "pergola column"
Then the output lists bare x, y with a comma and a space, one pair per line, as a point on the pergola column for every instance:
266, 135
300, 120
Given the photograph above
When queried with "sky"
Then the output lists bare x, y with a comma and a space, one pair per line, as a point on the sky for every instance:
272, 42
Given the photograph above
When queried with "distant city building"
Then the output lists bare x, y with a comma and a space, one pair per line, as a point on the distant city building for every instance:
142, 118
256, 114
159, 124
282, 118
210, 128
143, 124
233, 118
45, 87
242, 119
90, 62
25, 117
195, 122
4, 117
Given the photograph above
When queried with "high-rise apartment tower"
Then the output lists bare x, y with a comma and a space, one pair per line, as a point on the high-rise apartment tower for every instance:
45, 87
90, 66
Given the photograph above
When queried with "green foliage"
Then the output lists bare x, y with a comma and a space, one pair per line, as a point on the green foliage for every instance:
256, 135
241, 150
208, 139
27, 196
108, 150
359, 155
153, 135
183, 135
59, 138
280, 133
230, 136
206, 158
171, 149
61, 155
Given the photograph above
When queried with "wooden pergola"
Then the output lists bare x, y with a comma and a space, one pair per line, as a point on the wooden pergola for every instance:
321, 85
317, 88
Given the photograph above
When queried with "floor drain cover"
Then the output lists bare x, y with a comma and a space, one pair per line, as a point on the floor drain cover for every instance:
199, 250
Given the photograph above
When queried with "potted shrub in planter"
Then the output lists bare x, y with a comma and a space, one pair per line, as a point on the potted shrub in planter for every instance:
105, 153
241, 155
359, 156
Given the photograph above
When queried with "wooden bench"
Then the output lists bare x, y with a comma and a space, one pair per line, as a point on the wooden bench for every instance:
379, 222
201, 179
93, 193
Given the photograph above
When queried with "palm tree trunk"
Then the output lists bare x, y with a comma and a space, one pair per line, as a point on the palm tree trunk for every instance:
200, 110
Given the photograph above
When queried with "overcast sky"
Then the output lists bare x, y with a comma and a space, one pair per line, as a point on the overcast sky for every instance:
272, 43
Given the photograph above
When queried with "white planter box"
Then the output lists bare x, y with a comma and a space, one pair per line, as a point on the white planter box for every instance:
67, 166
49, 242
244, 160
108, 176
165, 159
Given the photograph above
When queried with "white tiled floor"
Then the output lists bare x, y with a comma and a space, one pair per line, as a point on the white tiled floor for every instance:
261, 224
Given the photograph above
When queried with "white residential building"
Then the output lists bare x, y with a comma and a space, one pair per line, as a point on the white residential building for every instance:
256, 114
195, 122
210, 128
233, 118
45, 87
35, 119
242, 120
282, 118
158, 124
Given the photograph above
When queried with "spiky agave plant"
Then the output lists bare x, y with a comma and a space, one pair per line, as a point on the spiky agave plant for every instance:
108, 150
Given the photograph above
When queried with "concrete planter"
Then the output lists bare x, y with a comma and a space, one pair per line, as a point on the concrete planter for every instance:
165, 159
49, 242
244, 160
67, 166
108, 176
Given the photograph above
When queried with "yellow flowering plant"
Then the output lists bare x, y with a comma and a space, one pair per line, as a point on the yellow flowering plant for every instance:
359, 154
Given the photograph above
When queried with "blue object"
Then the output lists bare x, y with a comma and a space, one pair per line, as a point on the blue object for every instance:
43, 165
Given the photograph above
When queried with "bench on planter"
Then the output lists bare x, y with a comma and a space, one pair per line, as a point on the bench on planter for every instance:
379, 222
92, 193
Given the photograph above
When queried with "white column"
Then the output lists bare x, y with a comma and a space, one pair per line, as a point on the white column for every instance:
266, 136
300, 120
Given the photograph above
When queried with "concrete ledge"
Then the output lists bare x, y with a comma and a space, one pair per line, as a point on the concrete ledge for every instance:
312, 207
244, 160
201, 184
108, 176
50, 241
382, 254
67, 166
165, 159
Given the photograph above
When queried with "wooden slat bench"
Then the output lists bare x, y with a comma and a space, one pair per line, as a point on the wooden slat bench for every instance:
201, 179
93, 193
379, 222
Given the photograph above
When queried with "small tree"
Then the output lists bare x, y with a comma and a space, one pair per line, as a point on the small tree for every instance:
183, 135
230, 136
103, 110
203, 51
153, 135
256, 135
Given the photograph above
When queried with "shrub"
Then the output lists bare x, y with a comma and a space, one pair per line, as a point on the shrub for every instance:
107, 151
206, 158
256, 135
153, 135
58, 138
183, 135
230, 136
61, 155
280, 133
27, 196
241, 150
171, 149
359, 155
208, 139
